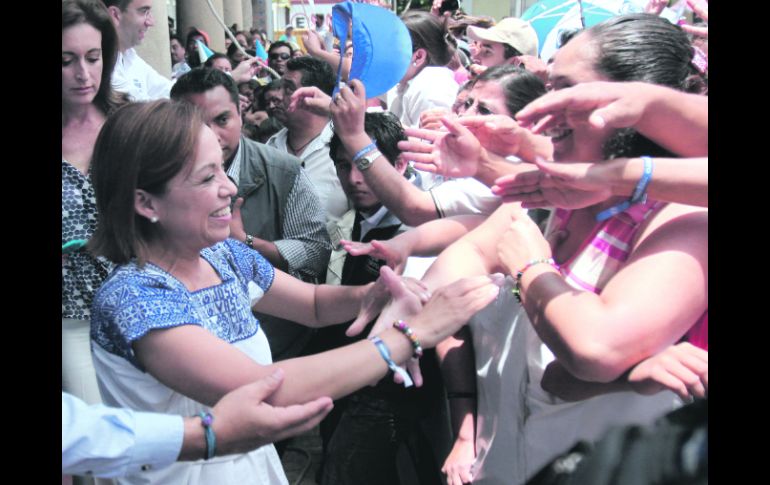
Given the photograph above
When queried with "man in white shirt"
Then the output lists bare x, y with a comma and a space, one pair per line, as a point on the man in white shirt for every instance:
178, 57
132, 74
307, 133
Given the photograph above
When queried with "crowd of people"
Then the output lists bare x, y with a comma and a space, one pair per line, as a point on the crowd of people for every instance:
468, 279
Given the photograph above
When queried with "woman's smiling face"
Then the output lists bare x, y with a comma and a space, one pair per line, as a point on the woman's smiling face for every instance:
574, 64
194, 210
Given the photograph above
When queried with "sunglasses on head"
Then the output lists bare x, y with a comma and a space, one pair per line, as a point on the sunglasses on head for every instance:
279, 55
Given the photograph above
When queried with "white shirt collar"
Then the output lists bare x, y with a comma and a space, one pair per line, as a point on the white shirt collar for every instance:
370, 222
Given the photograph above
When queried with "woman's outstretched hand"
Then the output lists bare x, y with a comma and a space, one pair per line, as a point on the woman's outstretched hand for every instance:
452, 153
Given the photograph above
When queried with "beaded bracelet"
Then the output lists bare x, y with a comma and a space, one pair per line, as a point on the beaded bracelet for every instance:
404, 328
639, 196
516, 290
385, 353
211, 440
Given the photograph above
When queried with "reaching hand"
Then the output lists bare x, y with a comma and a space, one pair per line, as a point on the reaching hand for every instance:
565, 185
600, 104
348, 109
431, 119
701, 9
236, 222
535, 65
682, 368
502, 135
453, 153
313, 42
312, 99
387, 250
244, 422
457, 466
451, 307
408, 295
245, 70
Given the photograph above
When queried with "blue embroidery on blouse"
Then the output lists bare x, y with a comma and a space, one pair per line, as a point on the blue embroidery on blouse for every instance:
134, 301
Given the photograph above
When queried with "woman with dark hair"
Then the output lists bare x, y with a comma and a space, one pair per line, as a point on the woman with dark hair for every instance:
608, 286
89, 50
427, 83
173, 326
515, 85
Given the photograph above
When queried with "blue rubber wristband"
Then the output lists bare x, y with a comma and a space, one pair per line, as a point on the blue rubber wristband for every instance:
639, 196
368, 148
385, 353
211, 440
640, 192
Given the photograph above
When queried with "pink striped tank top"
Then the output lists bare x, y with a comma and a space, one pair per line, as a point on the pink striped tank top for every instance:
605, 251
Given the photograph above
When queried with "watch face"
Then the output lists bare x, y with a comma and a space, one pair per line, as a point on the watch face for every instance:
364, 162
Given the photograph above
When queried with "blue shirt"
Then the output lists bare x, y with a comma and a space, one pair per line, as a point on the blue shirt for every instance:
112, 442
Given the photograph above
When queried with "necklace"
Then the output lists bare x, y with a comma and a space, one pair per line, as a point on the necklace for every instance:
296, 151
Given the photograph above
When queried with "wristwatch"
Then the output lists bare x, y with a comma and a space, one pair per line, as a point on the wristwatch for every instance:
250, 241
366, 161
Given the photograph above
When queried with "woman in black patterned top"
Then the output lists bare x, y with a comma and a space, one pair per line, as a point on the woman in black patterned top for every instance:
89, 50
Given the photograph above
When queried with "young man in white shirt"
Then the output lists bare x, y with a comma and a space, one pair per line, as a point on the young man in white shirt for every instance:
132, 75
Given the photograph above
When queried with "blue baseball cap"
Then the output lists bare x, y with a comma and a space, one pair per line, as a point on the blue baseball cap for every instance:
382, 47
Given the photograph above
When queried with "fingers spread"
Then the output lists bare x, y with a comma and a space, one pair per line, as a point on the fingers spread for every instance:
415, 146
454, 126
418, 288
392, 282
429, 135
547, 122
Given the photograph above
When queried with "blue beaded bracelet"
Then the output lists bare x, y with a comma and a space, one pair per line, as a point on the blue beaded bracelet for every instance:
211, 440
385, 353
639, 195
